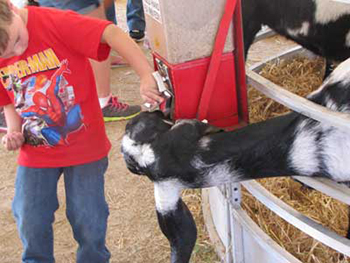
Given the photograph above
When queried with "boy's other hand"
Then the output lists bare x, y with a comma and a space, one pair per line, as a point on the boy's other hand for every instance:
149, 90
12, 141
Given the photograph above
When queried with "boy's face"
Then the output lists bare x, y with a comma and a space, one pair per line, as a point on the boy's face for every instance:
18, 38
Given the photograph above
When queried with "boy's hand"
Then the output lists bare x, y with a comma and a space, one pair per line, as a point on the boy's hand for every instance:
149, 90
13, 141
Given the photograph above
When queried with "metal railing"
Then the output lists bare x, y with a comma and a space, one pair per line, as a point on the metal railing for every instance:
241, 239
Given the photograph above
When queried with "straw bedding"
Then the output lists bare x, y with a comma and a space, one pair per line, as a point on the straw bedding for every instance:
301, 76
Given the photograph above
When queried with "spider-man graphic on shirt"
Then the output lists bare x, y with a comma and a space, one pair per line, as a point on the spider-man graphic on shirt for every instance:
47, 107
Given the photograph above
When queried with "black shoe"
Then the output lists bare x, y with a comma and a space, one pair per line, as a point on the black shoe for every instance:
137, 35
33, 3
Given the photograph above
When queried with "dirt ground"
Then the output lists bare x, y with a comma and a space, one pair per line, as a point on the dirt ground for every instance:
133, 233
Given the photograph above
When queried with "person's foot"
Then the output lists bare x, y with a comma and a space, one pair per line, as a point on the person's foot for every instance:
118, 61
137, 35
116, 111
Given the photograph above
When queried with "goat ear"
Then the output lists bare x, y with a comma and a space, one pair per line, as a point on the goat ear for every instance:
207, 129
144, 132
210, 129
159, 113
192, 130
147, 126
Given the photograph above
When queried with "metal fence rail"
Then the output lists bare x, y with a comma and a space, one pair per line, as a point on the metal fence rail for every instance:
297, 219
240, 239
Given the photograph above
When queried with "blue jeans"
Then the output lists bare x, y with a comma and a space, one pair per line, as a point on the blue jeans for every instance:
35, 203
135, 16
80, 6
110, 14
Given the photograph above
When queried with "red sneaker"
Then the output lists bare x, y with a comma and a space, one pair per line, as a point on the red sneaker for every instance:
116, 111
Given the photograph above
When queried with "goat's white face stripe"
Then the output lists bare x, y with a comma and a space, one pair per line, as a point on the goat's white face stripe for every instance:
167, 194
143, 154
328, 11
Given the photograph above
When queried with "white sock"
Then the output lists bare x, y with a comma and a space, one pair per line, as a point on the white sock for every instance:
104, 101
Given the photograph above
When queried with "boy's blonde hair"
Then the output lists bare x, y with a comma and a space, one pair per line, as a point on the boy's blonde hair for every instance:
5, 20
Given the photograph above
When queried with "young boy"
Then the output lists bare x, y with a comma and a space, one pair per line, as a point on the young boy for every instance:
53, 116
112, 108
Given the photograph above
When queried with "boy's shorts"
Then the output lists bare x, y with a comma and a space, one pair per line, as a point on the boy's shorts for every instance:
81, 6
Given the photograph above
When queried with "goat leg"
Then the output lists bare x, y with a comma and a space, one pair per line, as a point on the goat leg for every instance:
180, 229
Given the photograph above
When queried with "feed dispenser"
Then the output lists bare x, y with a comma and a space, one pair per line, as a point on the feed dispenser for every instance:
198, 52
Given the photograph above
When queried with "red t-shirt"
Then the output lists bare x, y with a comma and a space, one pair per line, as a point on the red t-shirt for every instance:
53, 88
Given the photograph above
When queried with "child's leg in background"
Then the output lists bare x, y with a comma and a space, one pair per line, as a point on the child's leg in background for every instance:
110, 13
87, 210
82, 6
135, 15
34, 205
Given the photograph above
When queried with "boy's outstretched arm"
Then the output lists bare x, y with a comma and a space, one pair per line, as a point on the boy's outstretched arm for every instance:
119, 41
14, 138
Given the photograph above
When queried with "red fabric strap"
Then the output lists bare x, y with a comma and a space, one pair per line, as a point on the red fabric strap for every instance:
216, 59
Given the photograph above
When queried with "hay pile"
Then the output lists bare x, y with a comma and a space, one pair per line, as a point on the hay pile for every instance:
301, 76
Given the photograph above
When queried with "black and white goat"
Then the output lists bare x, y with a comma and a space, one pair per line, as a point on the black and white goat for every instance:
322, 26
191, 154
